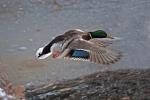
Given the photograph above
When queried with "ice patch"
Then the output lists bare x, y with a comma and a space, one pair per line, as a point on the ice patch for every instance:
31, 40
22, 48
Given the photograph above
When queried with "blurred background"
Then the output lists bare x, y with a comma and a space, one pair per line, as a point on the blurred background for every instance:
26, 25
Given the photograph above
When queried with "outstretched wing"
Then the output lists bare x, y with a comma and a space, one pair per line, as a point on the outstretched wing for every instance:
77, 33
100, 42
97, 54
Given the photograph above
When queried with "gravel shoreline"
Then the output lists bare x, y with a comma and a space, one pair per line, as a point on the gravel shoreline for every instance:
127, 84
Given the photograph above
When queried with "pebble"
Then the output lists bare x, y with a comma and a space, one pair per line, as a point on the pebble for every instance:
2, 93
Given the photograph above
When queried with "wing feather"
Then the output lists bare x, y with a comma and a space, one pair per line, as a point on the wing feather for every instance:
99, 42
98, 54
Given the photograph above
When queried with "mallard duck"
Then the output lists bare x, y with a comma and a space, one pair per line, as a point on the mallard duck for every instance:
79, 45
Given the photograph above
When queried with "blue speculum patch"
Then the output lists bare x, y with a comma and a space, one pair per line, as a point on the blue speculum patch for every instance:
80, 54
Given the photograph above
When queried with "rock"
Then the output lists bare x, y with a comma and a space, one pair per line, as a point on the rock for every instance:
110, 85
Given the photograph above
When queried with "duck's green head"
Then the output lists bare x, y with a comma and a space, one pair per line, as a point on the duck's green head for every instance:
100, 34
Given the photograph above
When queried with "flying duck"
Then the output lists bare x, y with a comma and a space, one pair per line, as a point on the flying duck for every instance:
79, 45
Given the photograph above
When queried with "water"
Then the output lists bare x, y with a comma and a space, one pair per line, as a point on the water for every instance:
26, 25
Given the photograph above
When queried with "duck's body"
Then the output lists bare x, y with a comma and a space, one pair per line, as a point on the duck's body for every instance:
77, 44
